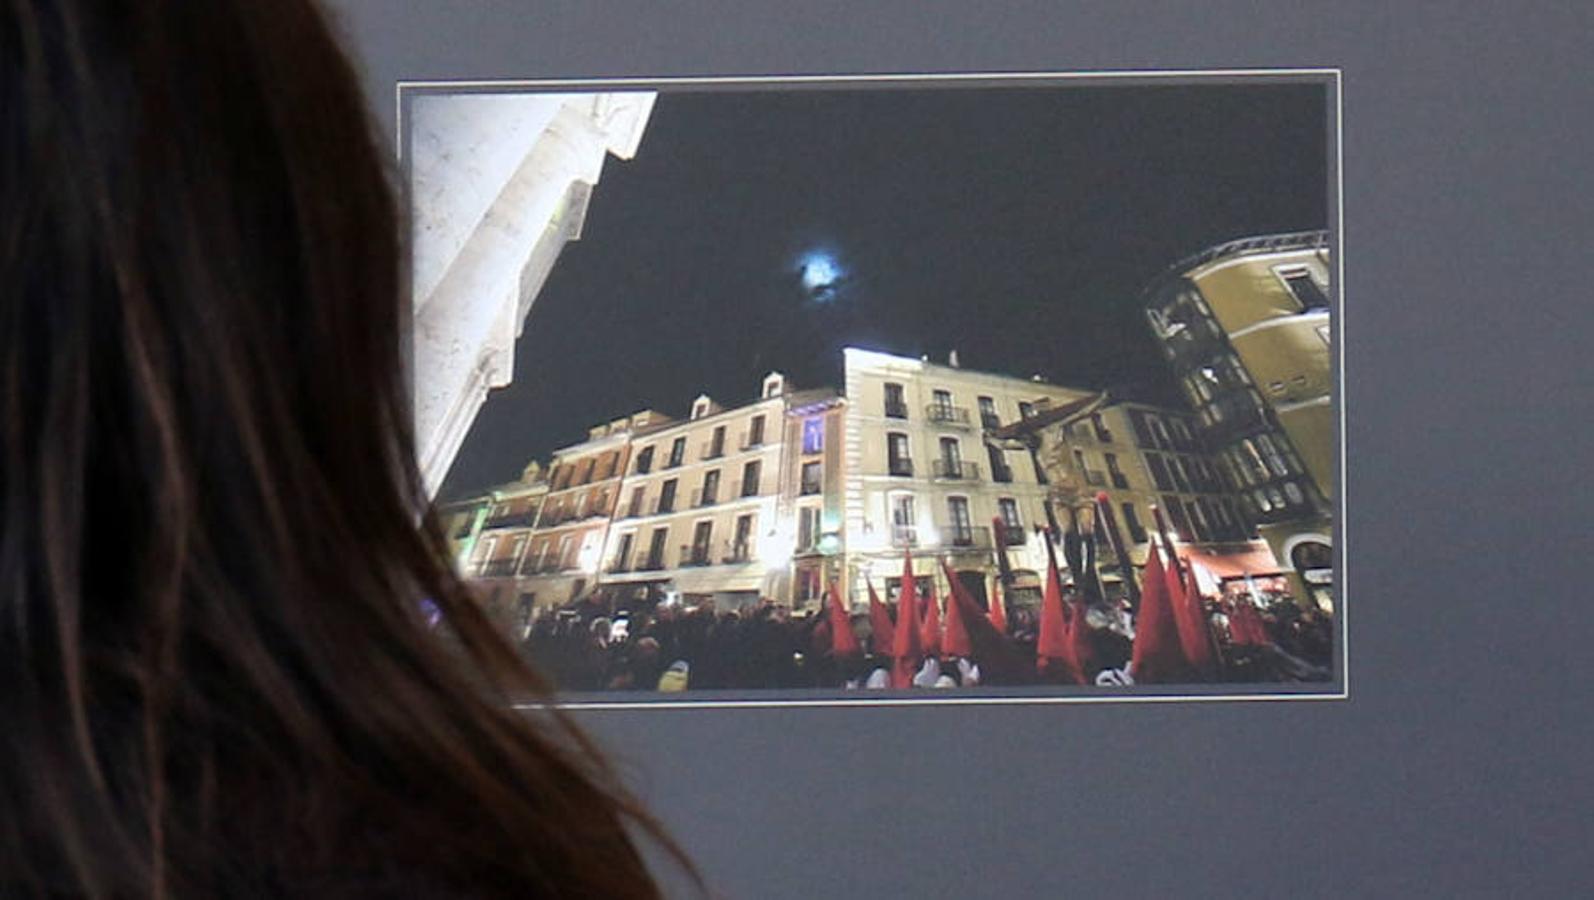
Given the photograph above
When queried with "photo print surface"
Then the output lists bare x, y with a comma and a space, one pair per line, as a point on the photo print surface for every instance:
888, 390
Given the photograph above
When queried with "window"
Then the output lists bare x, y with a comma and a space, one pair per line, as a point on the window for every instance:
897, 460
1294, 494
1137, 421
636, 502
711, 488
896, 406
1026, 410
1103, 433
750, 473
904, 532
962, 532
999, 469
1159, 472
1008, 508
1161, 433
1303, 288
1275, 459
716, 444
644, 461
988, 416
656, 548
1197, 521
677, 451
1119, 479
622, 553
1137, 532
586, 471
742, 544
807, 528
667, 496
951, 462
606, 468
484, 552
1176, 512
943, 400
1040, 470
810, 477
813, 435
701, 537
566, 561
1176, 469
755, 432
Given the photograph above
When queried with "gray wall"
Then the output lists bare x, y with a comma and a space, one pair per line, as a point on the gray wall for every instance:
1468, 230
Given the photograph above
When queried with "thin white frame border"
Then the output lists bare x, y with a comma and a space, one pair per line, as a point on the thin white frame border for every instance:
1335, 77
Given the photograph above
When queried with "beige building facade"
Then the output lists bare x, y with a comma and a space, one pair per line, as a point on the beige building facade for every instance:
701, 503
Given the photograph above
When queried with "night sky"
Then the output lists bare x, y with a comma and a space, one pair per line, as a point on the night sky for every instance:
1017, 225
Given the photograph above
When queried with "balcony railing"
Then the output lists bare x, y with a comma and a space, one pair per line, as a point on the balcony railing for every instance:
1014, 536
712, 452
499, 568
618, 567
511, 520
810, 487
651, 564
896, 410
750, 441
902, 468
695, 555
1119, 480
1002, 474
966, 537
663, 505
904, 536
1095, 477
738, 552
990, 420
953, 470
746, 488
701, 498
947, 415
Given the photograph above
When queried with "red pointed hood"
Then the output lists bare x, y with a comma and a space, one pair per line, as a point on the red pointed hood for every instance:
1157, 656
906, 648
998, 612
931, 626
879, 624
1192, 624
842, 641
955, 640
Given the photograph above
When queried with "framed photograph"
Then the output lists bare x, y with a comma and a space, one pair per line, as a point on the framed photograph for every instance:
889, 389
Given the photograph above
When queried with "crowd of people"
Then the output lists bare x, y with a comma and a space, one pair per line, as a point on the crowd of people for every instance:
599, 646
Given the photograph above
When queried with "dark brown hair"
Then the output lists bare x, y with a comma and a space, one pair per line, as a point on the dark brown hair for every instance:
215, 678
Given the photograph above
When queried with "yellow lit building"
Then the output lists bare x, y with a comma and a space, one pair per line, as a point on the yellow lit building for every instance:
1246, 329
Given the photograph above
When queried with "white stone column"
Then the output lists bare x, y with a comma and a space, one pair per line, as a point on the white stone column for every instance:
490, 174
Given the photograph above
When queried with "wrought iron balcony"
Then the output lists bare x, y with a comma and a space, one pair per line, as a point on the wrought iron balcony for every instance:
738, 552
1119, 480
896, 410
1096, 477
990, 420
498, 568
511, 520
750, 441
904, 536
902, 468
954, 470
942, 414
695, 556
701, 498
966, 537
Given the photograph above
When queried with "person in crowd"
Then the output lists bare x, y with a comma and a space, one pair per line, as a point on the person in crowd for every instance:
219, 568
